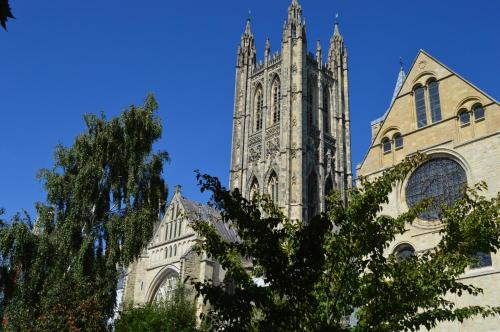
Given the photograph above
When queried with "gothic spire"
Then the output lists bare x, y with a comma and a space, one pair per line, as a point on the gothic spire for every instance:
337, 48
246, 50
336, 31
400, 80
295, 13
248, 28
319, 57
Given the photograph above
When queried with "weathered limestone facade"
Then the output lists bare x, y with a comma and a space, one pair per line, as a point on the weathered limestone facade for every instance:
291, 136
461, 133
169, 258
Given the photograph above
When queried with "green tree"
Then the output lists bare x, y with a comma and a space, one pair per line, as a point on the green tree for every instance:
5, 13
174, 315
321, 272
104, 194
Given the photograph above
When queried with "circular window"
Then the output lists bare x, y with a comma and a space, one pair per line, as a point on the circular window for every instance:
439, 179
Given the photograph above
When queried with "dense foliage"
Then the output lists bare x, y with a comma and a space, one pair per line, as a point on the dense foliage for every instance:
177, 314
5, 13
104, 194
337, 266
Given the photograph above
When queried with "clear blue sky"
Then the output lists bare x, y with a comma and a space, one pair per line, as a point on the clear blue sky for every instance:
63, 58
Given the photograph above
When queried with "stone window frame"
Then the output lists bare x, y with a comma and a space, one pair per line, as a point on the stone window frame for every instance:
431, 116
273, 186
276, 99
383, 143
402, 247
395, 139
258, 108
420, 122
438, 152
474, 108
461, 120
430, 99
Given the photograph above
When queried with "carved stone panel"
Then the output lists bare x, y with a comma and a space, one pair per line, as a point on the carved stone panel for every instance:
272, 146
254, 153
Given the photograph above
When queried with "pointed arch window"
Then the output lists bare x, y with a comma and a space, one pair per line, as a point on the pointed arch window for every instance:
276, 90
254, 189
312, 195
328, 190
326, 110
434, 101
420, 107
259, 106
273, 187
167, 287
310, 101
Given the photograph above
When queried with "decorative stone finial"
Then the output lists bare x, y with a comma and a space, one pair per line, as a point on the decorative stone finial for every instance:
178, 189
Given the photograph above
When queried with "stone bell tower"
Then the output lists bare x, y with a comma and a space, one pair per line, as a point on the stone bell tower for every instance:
291, 136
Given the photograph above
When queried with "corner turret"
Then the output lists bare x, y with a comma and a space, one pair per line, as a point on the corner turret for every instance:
246, 50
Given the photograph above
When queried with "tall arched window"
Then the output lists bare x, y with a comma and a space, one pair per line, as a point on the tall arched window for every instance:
273, 187
310, 101
326, 110
254, 189
167, 287
171, 230
386, 145
259, 105
434, 101
276, 90
328, 189
312, 195
420, 107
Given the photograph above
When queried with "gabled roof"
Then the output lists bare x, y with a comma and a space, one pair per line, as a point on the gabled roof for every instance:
208, 213
382, 119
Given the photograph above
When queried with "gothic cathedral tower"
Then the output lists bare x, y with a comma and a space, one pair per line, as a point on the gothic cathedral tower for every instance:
291, 135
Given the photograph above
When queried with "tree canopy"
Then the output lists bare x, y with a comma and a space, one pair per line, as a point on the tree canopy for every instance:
5, 13
320, 273
176, 314
104, 194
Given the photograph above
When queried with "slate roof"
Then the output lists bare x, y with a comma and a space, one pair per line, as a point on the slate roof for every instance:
206, 212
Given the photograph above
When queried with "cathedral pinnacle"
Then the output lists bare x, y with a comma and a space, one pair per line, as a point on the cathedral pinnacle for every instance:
295, 13
319, 55
248, 28
400, 80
